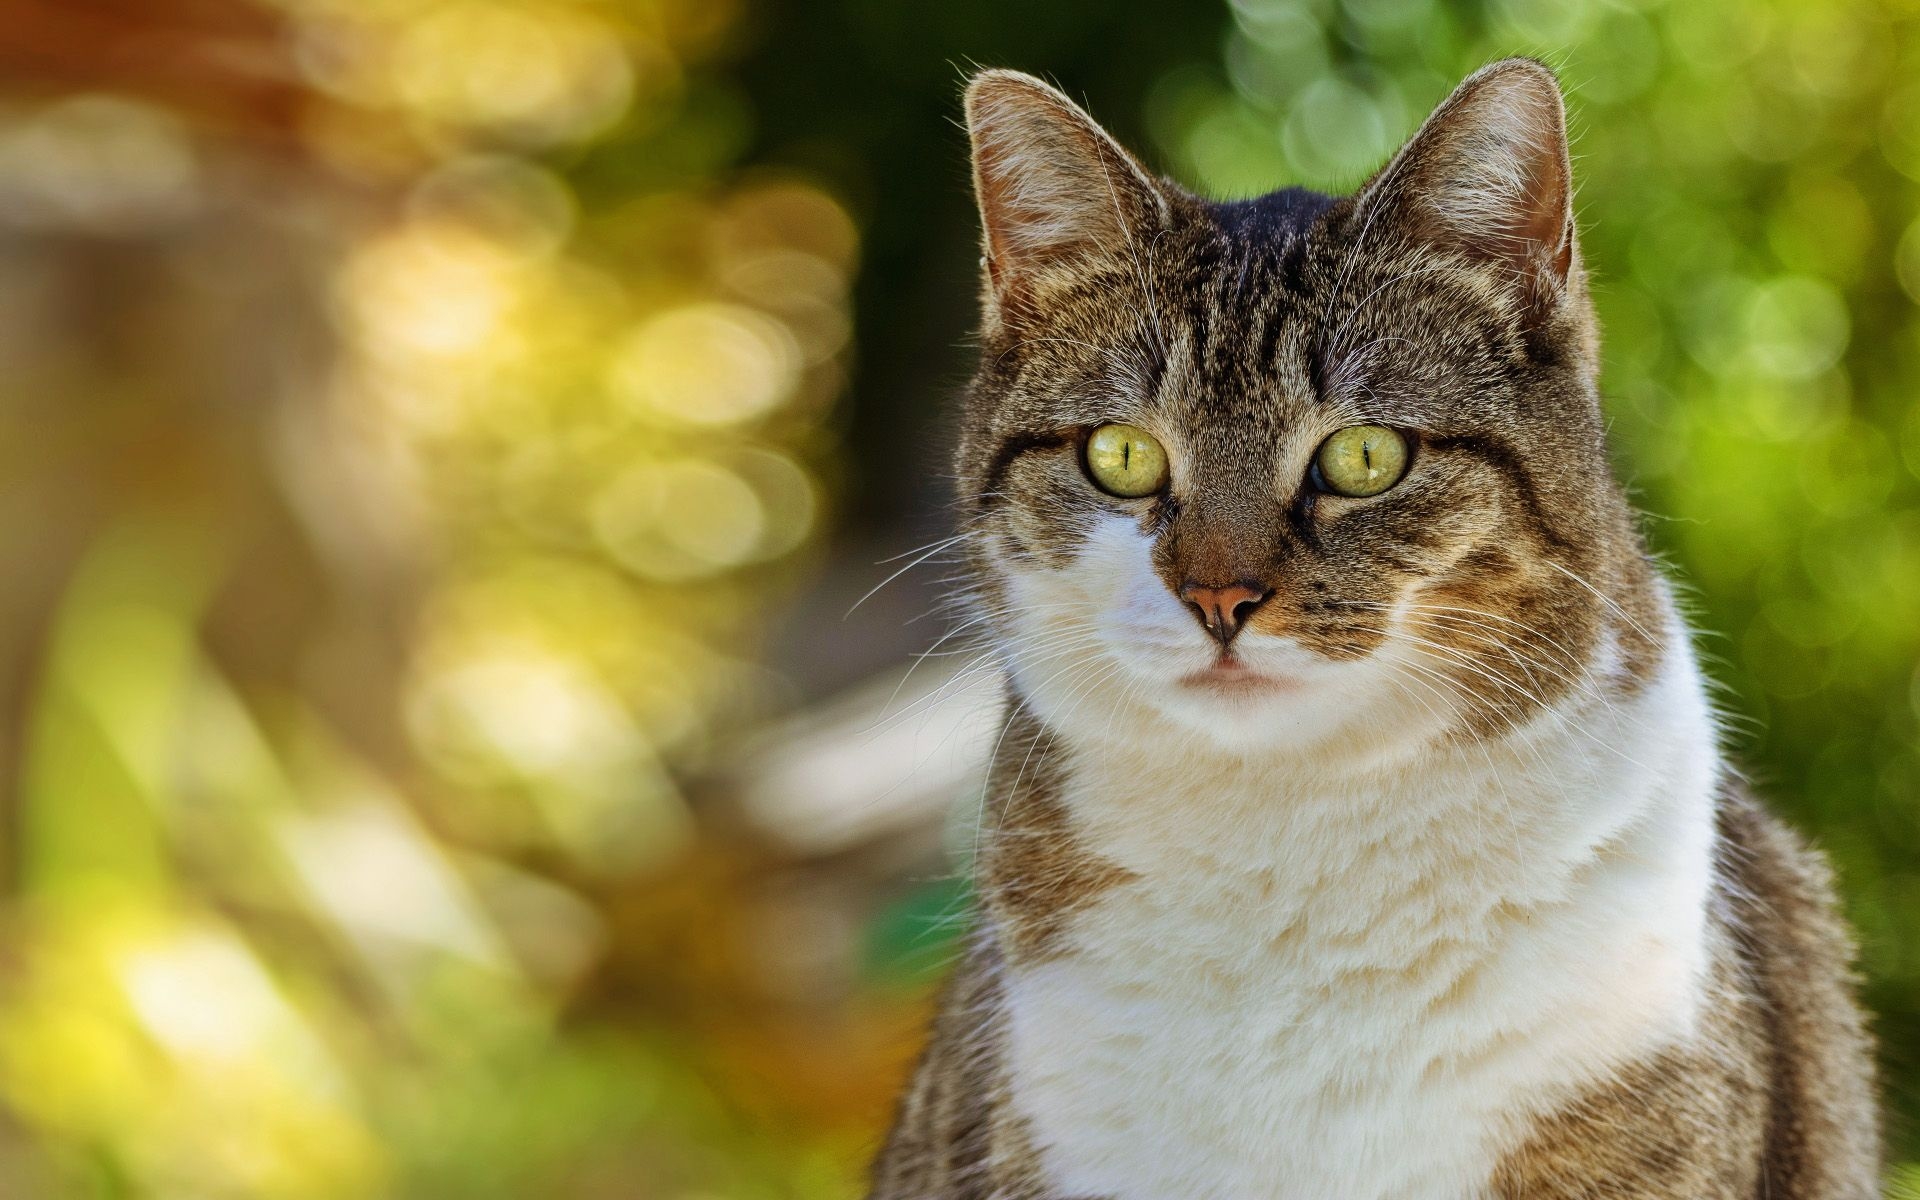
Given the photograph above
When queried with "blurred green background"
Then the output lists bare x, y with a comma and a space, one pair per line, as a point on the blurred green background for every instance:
441, 441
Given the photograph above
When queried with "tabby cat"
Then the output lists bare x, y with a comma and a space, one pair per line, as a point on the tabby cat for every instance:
1359, 828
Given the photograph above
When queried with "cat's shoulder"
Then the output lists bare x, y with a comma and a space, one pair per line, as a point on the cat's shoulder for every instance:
1776, 1084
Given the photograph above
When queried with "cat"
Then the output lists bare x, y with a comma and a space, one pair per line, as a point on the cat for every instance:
1359, 828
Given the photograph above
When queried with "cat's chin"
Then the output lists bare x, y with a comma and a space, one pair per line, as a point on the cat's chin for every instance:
1252, 712
1235, 709
1231, 679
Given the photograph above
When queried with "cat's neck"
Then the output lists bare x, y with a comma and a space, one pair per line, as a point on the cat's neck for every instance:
1514, 820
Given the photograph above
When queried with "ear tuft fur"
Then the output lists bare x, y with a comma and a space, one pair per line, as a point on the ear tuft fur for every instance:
1053, 187
1488, 176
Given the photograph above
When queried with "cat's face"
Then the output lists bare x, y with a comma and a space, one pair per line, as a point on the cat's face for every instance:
1294, 472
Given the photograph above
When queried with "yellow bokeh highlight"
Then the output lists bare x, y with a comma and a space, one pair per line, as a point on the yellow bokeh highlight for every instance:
543, 74
307, 931
707, 364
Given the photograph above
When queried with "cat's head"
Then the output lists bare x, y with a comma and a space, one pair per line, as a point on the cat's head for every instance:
1295, 471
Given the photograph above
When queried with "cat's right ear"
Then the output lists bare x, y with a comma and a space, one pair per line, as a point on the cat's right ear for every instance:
1488, 177
1055, 190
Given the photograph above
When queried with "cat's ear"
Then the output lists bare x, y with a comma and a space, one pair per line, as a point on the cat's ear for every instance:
1488, 177
1055, 190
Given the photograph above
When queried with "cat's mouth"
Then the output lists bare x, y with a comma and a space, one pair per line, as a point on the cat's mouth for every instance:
1231, 677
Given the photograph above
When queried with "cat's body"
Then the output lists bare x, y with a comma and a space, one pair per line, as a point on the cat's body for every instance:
1411, 869
1237, 1028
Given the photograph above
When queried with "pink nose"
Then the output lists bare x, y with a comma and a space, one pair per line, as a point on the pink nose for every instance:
1223, 610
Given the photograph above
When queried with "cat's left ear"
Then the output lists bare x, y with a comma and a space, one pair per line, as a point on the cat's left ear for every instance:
1488, 177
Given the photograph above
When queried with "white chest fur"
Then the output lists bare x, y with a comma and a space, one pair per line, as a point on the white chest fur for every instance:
1340, 988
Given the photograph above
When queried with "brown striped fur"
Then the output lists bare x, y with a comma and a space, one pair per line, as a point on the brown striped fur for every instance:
956, 1137
1242, 334
1034, 873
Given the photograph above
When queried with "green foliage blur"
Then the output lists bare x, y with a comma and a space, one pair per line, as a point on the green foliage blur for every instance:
420, 418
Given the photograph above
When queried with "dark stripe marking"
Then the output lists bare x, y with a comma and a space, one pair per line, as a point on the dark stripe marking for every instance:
1502, 457
1009, 451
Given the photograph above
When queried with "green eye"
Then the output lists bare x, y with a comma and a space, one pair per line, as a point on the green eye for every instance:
1361, 460
1125, 461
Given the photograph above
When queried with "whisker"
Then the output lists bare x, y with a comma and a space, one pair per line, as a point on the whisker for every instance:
874, 590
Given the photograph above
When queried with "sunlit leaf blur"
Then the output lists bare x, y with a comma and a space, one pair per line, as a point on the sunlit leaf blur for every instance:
441, 441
